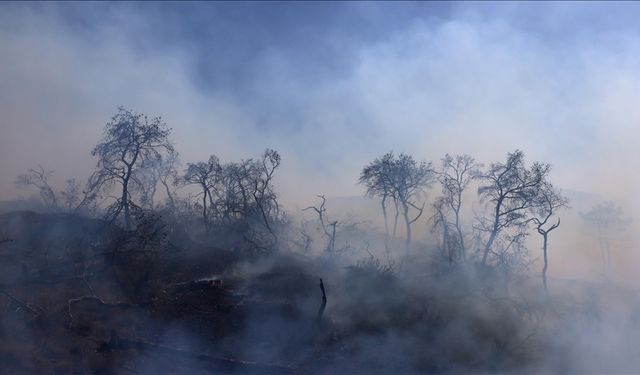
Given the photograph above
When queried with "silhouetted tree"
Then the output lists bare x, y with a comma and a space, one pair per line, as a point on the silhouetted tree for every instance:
404, 180
550, 201
39, 178
456, 174
328, 227
130, 139
377, 177
410, 178
205, 175
440, 206
246, 192
157, 171
72, 194
264, 194
514, 191
168, 177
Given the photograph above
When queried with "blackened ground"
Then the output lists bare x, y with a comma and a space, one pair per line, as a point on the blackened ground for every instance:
79, 296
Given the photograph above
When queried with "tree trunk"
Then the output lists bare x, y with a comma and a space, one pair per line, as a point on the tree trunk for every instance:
204, 210
494, 232
395, 222
463, 250
488, 246
172, 201
407, 222
386, 224
445, 241
546, 261
125, 201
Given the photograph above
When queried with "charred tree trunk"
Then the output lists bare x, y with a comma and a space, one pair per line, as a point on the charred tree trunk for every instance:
395, 221
323, 305
546, 261
386, 224
494, 232
463, 250
407, 222
125, 202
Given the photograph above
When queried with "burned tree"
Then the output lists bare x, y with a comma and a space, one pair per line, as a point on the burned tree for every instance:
71, 195
39, 178
264, 195
456, 174
157, 171
205, 175
246, 196
410, 178
328, 227
551, 200
377, 177
130, 139
439, 218
402, 179
514, 191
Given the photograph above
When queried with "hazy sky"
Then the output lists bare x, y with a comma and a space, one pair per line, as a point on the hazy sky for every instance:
329, 85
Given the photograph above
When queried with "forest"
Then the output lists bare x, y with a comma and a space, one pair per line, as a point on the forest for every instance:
154, 264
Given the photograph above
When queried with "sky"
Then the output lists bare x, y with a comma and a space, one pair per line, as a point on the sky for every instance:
329, 85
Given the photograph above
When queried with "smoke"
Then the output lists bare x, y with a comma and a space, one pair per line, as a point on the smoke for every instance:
331, 87
474, 79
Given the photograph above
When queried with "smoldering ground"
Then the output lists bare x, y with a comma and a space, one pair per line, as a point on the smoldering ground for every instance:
417, 315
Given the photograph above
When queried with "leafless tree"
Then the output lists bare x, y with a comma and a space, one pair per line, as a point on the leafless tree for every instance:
411, 178
167, 171
328, 227
402, 179
456, 173
440, 220
39, 178
550, 201
72, 195
263, 193
205, 175
246, 195
155, 172
606, 217
377, 177
513, 190
129, 140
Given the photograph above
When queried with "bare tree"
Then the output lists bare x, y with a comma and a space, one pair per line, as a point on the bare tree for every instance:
205, 175
550, 201
39, 178
402, 179
456, 174
328, 227
129, 140
168, 176
263, 193
440, 220
513, 190
606, 217
377, 177
72, 195
240, 195
410, 178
